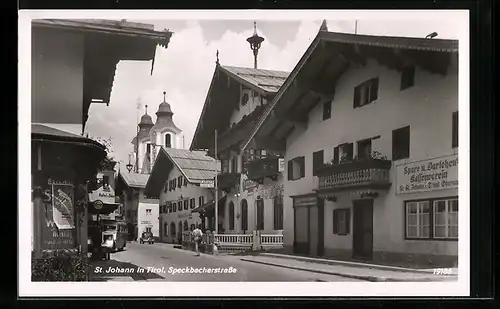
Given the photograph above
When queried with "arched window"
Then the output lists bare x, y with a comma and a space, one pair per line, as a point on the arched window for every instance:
244, 215
180, 227
168, 140
165, 229
172, 228
231, 215
186, 227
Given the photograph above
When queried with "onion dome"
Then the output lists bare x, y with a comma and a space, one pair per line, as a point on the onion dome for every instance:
146, 120
164, 108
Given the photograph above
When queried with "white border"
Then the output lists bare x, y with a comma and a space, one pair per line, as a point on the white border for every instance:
221, 289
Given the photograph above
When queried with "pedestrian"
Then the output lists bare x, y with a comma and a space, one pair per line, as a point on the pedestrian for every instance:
197, 233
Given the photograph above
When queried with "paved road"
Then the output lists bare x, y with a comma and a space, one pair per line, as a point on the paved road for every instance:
165, 257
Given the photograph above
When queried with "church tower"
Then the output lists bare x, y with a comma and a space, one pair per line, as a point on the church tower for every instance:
142, 143
165, 132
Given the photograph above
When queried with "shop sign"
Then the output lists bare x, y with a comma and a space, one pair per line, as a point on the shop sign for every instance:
281, 165
145, 222
207, 184
427, 175
304, 201
98, 204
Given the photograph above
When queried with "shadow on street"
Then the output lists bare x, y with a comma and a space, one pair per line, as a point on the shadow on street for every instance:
119, 268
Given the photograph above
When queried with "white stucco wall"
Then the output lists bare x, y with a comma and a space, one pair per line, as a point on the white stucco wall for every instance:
57, 77
188, 192
148, 220
427, 107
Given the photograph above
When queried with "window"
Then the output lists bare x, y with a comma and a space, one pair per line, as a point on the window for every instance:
179, 181
186, 204
327, 110
244, 99
345, 152
418, 219
364, 149
244, 215
278, 212
260, 214
170, 206
175, 206
234, 165
231, 215
105, 182
366, 93
174, 184
165, 187
192, 227
192, 203
296, 168
407, 77
446, 218
318, 159
148, 230
148, 211
432, 219
201, 200
454, 130
168, 140
401, 143
165, 229
185, 182
341, 221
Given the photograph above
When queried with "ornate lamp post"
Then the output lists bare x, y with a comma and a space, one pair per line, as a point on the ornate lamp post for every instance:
255, 40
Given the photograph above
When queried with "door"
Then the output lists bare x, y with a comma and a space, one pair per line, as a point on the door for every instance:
321, 226
301, 230
362, 229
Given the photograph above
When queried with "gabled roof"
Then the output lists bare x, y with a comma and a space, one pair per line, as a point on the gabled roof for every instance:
195, 166
265, 82
118, 27
342, 39
134, 180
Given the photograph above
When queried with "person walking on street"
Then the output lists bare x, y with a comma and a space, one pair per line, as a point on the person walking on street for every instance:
198, 234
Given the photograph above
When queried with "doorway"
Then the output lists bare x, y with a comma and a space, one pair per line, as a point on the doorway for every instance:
362, 247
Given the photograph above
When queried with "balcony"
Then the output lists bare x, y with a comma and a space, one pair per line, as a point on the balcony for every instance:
226, 181
265, 167
369, 174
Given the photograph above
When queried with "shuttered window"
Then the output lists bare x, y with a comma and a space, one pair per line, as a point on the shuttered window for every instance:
366, 92
341, 221
318, 160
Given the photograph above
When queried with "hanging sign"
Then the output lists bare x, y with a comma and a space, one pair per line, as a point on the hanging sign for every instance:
281, 165
62, 202
98, 204
207, 184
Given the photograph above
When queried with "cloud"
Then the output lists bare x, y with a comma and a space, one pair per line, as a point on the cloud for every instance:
185, 70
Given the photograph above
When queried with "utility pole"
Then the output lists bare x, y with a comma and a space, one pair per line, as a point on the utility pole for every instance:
216, 189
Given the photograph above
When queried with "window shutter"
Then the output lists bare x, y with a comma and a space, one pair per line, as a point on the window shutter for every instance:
348, 221
185, 182
317, 160
335, 221
302, 167
290, 170
336, 154
349, 150
374, 89
356, 96
454, 134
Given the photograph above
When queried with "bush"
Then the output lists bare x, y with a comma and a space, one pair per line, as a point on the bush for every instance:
60, 268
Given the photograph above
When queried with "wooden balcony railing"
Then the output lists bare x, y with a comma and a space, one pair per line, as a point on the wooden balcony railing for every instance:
372, 173
264, 167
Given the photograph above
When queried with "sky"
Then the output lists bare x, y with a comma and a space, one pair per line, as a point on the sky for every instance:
184, 70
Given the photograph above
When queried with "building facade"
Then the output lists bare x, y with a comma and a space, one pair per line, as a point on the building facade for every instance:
372, 164
176, 180
73, 64
148, 218
250, 178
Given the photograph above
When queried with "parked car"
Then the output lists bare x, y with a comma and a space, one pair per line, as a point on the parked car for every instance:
147, 237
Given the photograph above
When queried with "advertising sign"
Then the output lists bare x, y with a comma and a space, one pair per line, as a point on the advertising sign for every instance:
427, 175
281, 165
207, 184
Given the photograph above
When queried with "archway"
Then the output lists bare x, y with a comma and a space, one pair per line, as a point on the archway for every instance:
172, 229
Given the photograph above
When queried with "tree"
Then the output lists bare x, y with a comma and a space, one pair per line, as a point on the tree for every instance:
106, 142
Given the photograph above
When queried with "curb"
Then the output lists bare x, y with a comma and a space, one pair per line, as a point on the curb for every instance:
348, 264
359, 277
